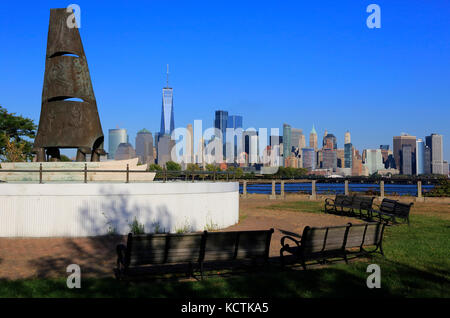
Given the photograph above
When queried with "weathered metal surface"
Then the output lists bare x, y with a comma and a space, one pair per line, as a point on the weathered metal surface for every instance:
64, 123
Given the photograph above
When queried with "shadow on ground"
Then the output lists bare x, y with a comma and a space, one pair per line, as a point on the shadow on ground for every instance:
272, 280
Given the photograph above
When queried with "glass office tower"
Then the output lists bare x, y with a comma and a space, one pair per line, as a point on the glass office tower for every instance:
309, 158
221, 122
234, 122
167, 120
348, 155
420, 157
115, 138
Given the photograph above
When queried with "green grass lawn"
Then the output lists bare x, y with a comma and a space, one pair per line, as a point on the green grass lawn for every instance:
300, 206
417, 264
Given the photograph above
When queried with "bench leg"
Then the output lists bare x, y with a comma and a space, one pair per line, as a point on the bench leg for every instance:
282, 257
302, 260
345, 258
191, 270
381, 248
201, 270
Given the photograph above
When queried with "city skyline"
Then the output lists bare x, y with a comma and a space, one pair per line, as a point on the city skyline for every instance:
366, 85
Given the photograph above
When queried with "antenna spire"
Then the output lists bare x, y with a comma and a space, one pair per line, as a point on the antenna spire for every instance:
167, 76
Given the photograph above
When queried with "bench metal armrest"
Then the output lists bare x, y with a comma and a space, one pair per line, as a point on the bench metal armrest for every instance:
327, 201
290, 238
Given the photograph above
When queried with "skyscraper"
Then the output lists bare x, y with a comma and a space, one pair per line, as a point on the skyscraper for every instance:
221, 122
407, 163
125, 151
347, 138
329, 159
167, 118
115, 138
399, 141
287, 146
374, 160
434, 141
144, 146
296, 137
235, 122
309, 158
164, 149
330, 139
427, 160
348, 155
250, 145
313, 139
420, 157
189, 151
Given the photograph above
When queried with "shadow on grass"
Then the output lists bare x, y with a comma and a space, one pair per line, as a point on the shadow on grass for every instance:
272, 280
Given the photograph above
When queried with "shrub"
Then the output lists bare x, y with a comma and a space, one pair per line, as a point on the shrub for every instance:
136, 227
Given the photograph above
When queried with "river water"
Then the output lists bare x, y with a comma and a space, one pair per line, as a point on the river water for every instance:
333, 188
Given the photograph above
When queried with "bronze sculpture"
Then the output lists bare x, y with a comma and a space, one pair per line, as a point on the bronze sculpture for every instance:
66, 123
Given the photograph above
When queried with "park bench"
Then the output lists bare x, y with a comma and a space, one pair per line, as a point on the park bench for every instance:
391, 210
191, 248
360, 204
341, 201
355, 205
321, 243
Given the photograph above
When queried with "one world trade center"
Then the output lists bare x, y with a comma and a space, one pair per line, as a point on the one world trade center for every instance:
167, 121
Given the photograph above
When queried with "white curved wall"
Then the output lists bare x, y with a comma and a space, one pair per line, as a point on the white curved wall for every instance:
70, 210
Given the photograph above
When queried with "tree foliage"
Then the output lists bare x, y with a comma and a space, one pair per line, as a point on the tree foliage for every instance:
173, 166
192, 167
288, 172
155, 167
16, 133
64, 158
441, 190
237, 171
210, 167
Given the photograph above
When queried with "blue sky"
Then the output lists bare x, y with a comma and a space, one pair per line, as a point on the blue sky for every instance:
299, 62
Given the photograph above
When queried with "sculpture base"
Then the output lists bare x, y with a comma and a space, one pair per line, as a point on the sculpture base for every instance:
76, 210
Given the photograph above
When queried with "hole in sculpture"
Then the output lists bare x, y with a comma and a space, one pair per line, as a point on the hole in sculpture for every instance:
64, 54
66, 98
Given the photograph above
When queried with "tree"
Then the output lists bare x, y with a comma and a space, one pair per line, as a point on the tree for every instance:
13, 131
155, 167
65, 158
14, 151
237, 171
173, 166
192, 167
211, 167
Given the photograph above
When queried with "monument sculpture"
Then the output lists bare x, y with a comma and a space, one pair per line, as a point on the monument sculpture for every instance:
66, 123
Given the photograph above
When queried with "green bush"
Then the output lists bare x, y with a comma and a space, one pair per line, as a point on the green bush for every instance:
173, 166
441, 190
